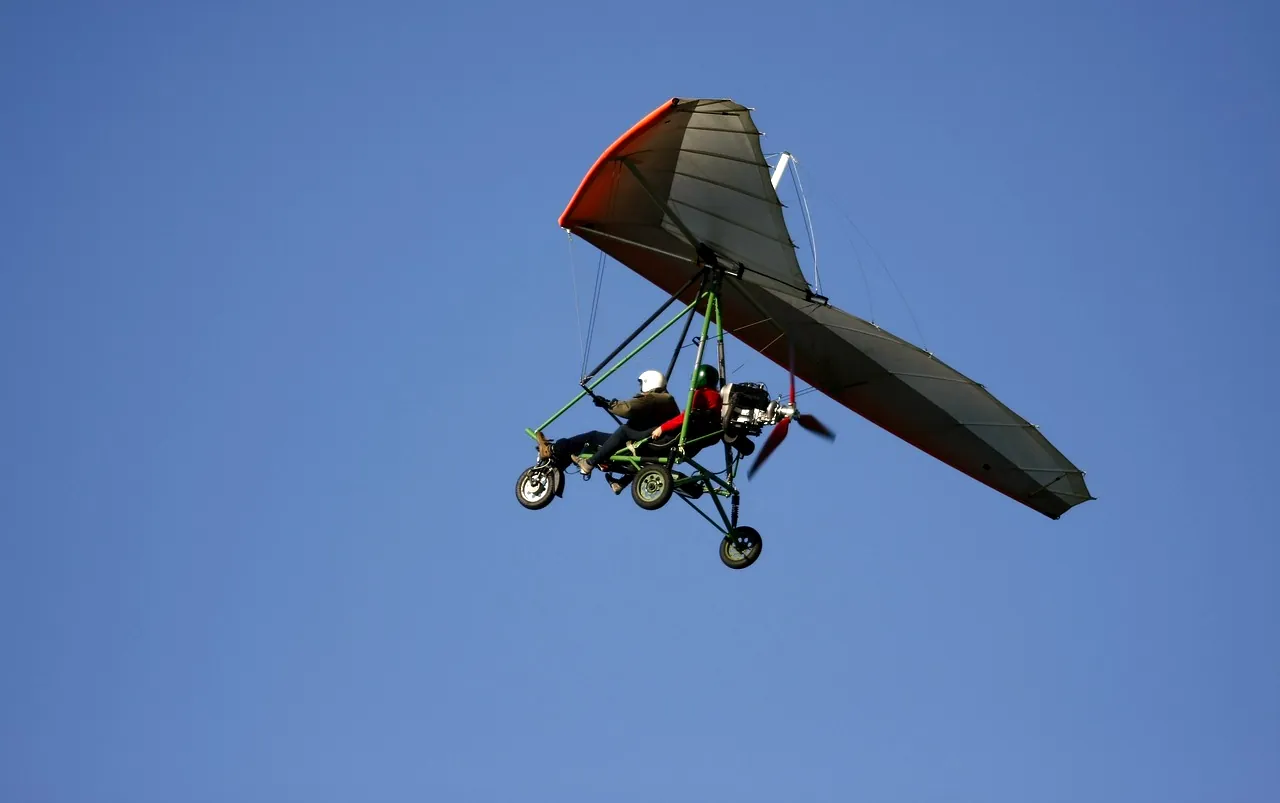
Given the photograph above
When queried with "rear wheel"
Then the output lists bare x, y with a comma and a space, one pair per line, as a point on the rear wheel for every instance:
536, 487
741, 548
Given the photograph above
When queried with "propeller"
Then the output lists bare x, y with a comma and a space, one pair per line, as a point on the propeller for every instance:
789, 414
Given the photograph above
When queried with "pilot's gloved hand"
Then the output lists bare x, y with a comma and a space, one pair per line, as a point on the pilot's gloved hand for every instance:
600, 401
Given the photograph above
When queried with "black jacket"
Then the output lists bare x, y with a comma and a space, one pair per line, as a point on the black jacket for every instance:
647, 410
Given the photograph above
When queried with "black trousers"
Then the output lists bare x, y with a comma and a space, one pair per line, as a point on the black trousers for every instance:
615, 442
563, 450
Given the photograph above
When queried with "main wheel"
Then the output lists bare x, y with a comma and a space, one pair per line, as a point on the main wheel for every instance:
741, 548
652, 486
536, 487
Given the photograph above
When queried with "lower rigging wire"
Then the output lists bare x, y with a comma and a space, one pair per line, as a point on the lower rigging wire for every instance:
595, 308
577, 312
585, 345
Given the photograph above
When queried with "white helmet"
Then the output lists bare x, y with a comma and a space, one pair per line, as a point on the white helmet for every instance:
652, 380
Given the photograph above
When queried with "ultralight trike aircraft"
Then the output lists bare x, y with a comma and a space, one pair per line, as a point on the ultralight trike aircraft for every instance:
686, 199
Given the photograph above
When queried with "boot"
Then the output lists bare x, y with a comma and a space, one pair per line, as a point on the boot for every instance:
544, 446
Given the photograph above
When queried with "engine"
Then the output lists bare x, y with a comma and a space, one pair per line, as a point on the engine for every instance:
747, 409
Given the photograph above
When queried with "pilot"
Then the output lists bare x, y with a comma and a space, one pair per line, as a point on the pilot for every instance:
648, 409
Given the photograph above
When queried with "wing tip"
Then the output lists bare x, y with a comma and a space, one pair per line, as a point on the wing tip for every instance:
639, 127
671, 104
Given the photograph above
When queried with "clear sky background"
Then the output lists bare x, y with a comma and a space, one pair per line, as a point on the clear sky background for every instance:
281, 286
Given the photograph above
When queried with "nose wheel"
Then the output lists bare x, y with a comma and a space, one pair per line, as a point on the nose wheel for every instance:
536, 487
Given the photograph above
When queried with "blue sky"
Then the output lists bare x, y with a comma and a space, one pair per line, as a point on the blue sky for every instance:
281, 286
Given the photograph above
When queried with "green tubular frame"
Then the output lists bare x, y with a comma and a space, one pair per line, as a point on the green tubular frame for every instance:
588, 387
716, 486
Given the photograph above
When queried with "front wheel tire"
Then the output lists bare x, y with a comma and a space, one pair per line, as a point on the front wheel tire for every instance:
536, 487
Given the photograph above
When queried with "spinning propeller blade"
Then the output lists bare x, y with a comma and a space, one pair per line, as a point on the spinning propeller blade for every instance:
805, 420
770, 443
815, 426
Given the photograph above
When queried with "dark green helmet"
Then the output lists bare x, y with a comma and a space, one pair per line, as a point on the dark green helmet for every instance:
706, 376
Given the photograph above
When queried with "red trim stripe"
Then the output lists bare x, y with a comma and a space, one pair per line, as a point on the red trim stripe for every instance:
651, 119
